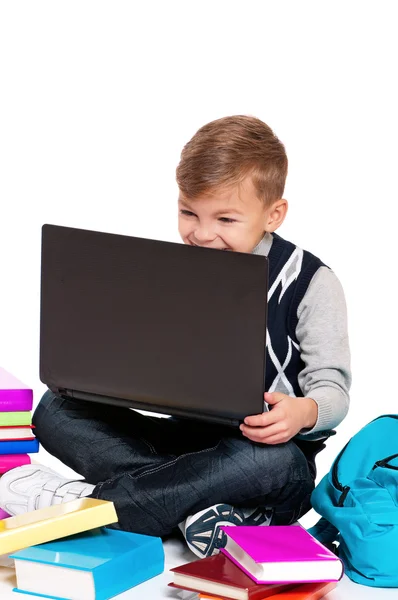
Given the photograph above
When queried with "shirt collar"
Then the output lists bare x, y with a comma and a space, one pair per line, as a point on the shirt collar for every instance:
264, 245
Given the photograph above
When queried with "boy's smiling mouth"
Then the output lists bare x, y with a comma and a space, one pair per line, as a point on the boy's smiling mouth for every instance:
210, 247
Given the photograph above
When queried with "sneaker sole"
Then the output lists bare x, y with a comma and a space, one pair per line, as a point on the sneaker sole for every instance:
204, 536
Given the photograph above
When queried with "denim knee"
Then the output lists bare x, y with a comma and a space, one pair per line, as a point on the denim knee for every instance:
293, 462
295, 500
284, 464
294, 469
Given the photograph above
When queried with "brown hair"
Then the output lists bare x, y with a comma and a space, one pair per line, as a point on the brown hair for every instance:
225, 151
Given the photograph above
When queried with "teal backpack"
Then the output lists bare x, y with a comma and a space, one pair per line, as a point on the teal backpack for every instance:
358, 502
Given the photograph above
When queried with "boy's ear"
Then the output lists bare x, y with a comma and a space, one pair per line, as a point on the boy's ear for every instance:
275, 215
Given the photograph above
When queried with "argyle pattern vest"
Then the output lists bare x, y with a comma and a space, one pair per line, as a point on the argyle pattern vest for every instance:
290, 272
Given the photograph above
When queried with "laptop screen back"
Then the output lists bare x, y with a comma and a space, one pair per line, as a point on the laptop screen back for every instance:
153, 325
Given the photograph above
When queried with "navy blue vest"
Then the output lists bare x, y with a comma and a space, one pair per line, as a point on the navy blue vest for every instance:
290, 272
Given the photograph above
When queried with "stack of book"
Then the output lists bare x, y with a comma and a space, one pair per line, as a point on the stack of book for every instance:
66, 551
274, 562
17, 439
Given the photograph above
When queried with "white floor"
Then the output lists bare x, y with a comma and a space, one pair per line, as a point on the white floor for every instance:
176, 553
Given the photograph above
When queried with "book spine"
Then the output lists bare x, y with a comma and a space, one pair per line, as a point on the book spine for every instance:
15, 419
12, 447
11, 461
16, 400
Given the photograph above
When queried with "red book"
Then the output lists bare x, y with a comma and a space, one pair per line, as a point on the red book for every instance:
219, 576
304, 591
20, 432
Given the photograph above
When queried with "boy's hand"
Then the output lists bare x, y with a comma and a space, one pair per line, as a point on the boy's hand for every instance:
287, 417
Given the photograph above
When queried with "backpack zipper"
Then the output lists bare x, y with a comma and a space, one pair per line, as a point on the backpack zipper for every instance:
384, 461
344, 489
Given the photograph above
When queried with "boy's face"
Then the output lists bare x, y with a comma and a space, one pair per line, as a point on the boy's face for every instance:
231, 219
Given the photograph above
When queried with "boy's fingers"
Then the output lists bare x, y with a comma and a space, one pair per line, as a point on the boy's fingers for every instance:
273, 397
262, 434
276, 439
262, 420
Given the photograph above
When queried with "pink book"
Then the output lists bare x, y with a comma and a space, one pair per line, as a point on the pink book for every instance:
10, 461
281, 554
15, 396
3, 514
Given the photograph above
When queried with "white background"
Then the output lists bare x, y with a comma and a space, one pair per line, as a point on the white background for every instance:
98, 98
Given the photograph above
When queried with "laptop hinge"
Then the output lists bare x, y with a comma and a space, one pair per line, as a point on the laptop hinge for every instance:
154, 408
61, 391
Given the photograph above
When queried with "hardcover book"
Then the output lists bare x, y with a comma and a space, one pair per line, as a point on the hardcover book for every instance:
52, 522
17, 433
95, 565
220, 576
303, 591
281, 553
15, 418
19, 447
11, 461
14, 395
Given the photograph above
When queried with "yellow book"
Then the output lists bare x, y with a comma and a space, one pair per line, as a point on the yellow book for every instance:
54, 522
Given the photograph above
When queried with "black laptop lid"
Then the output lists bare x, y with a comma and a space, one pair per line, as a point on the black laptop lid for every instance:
153, 325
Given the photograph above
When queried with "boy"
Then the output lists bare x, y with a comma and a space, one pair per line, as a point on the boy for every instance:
164, 473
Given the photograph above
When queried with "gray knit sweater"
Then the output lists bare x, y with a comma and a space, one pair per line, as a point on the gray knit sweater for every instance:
323, 339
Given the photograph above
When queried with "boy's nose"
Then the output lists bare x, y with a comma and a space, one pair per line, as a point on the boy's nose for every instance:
203, 235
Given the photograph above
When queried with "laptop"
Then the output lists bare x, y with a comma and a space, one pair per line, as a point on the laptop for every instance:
152, 325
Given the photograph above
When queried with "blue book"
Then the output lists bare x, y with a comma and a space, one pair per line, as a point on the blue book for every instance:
19, 447
94, 565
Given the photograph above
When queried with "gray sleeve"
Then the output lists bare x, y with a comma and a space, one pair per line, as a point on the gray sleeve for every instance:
322, 334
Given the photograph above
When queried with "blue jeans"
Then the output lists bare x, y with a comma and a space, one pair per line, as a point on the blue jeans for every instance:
157, 471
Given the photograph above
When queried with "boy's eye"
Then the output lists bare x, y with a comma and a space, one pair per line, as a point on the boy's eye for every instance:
227, 220
187, 213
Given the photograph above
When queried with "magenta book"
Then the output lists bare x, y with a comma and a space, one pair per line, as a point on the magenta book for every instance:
10, 461
281, 554
15, 396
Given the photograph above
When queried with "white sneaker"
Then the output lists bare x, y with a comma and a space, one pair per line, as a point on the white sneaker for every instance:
30, 487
